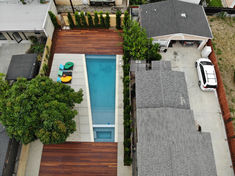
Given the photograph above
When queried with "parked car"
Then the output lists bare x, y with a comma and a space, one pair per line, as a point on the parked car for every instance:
206, 74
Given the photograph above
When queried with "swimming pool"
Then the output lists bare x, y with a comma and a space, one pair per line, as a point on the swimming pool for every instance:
101, 71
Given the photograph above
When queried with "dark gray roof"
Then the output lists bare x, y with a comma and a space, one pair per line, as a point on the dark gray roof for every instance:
168, 142
155, 89
4, 140
23, 65
163, 65
164, 18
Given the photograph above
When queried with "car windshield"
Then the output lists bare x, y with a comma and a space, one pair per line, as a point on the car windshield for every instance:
211, 86
206, 63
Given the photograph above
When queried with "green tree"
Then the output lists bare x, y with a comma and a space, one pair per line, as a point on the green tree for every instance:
96, 19
153, 52
118, 19
39, 109
90, 20
83, 18
102, 24
78, 20
54, 20
71, 23
107, 21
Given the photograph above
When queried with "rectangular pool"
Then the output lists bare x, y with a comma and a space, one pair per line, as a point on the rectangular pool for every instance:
101, 71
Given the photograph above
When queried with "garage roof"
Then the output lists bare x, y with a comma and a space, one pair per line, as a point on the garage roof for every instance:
173, 17
23, 65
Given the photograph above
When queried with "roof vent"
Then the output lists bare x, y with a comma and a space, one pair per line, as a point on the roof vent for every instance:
183, 15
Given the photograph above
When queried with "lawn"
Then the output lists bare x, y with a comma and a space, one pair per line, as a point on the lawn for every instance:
224, 44
215, 3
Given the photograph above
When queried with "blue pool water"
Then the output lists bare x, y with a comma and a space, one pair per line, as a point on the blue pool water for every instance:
101, 70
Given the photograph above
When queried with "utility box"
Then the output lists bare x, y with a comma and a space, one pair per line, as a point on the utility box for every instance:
206, 51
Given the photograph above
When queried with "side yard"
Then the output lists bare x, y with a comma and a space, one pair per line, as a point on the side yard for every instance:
224, 45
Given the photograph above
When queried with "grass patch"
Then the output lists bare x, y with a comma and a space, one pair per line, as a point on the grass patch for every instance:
215, 3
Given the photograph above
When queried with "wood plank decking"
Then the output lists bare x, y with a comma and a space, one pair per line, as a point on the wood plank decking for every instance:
79, 159
95, 41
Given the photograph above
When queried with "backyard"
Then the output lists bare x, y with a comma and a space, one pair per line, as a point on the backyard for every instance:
223, 29
214, 3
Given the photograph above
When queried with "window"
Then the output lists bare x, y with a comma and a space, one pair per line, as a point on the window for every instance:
2, 37
203, 74
17, 37
206, 63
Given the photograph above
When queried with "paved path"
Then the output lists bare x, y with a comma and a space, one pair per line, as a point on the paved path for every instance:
205, 105
83, 119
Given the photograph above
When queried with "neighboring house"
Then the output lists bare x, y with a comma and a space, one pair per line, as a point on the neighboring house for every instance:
174, 20
19, 22
168, 142
8, 152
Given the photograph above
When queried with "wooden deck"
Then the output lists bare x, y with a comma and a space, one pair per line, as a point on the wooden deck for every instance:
95, 41
79, 159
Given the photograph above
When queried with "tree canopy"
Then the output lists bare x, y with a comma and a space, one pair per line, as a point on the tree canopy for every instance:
38, 109
136, 43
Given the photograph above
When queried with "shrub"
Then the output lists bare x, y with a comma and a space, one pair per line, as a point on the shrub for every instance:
126, 20
153, 53
54, 20
90, 20
83, 19
45, 68
118, 19
39, 109
96, 19
102, 24
71, 23
78, 20
107, 21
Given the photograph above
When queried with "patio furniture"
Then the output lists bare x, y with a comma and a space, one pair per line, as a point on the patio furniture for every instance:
68, 65
61, 67
60, 73
66, 79
58, 79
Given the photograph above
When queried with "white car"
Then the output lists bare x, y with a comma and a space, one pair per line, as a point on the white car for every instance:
206, 74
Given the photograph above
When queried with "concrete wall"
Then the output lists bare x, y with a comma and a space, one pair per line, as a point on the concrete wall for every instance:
49, 27
224, 106
81, 2
67, 2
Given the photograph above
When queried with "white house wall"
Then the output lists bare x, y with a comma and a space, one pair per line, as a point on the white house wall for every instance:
179, 37
191, 1
25, 36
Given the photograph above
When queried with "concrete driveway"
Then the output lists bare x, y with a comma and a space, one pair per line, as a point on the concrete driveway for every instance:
9, 49
205, 105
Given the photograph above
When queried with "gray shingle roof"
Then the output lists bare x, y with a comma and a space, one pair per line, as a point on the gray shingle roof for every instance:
168, 142
164, 18
161, 89
4, 140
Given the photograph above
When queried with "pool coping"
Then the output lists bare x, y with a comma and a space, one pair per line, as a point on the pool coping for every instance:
117, 98
88, 98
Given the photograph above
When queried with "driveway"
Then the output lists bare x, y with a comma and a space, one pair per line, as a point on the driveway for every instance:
205, 105
9, 49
